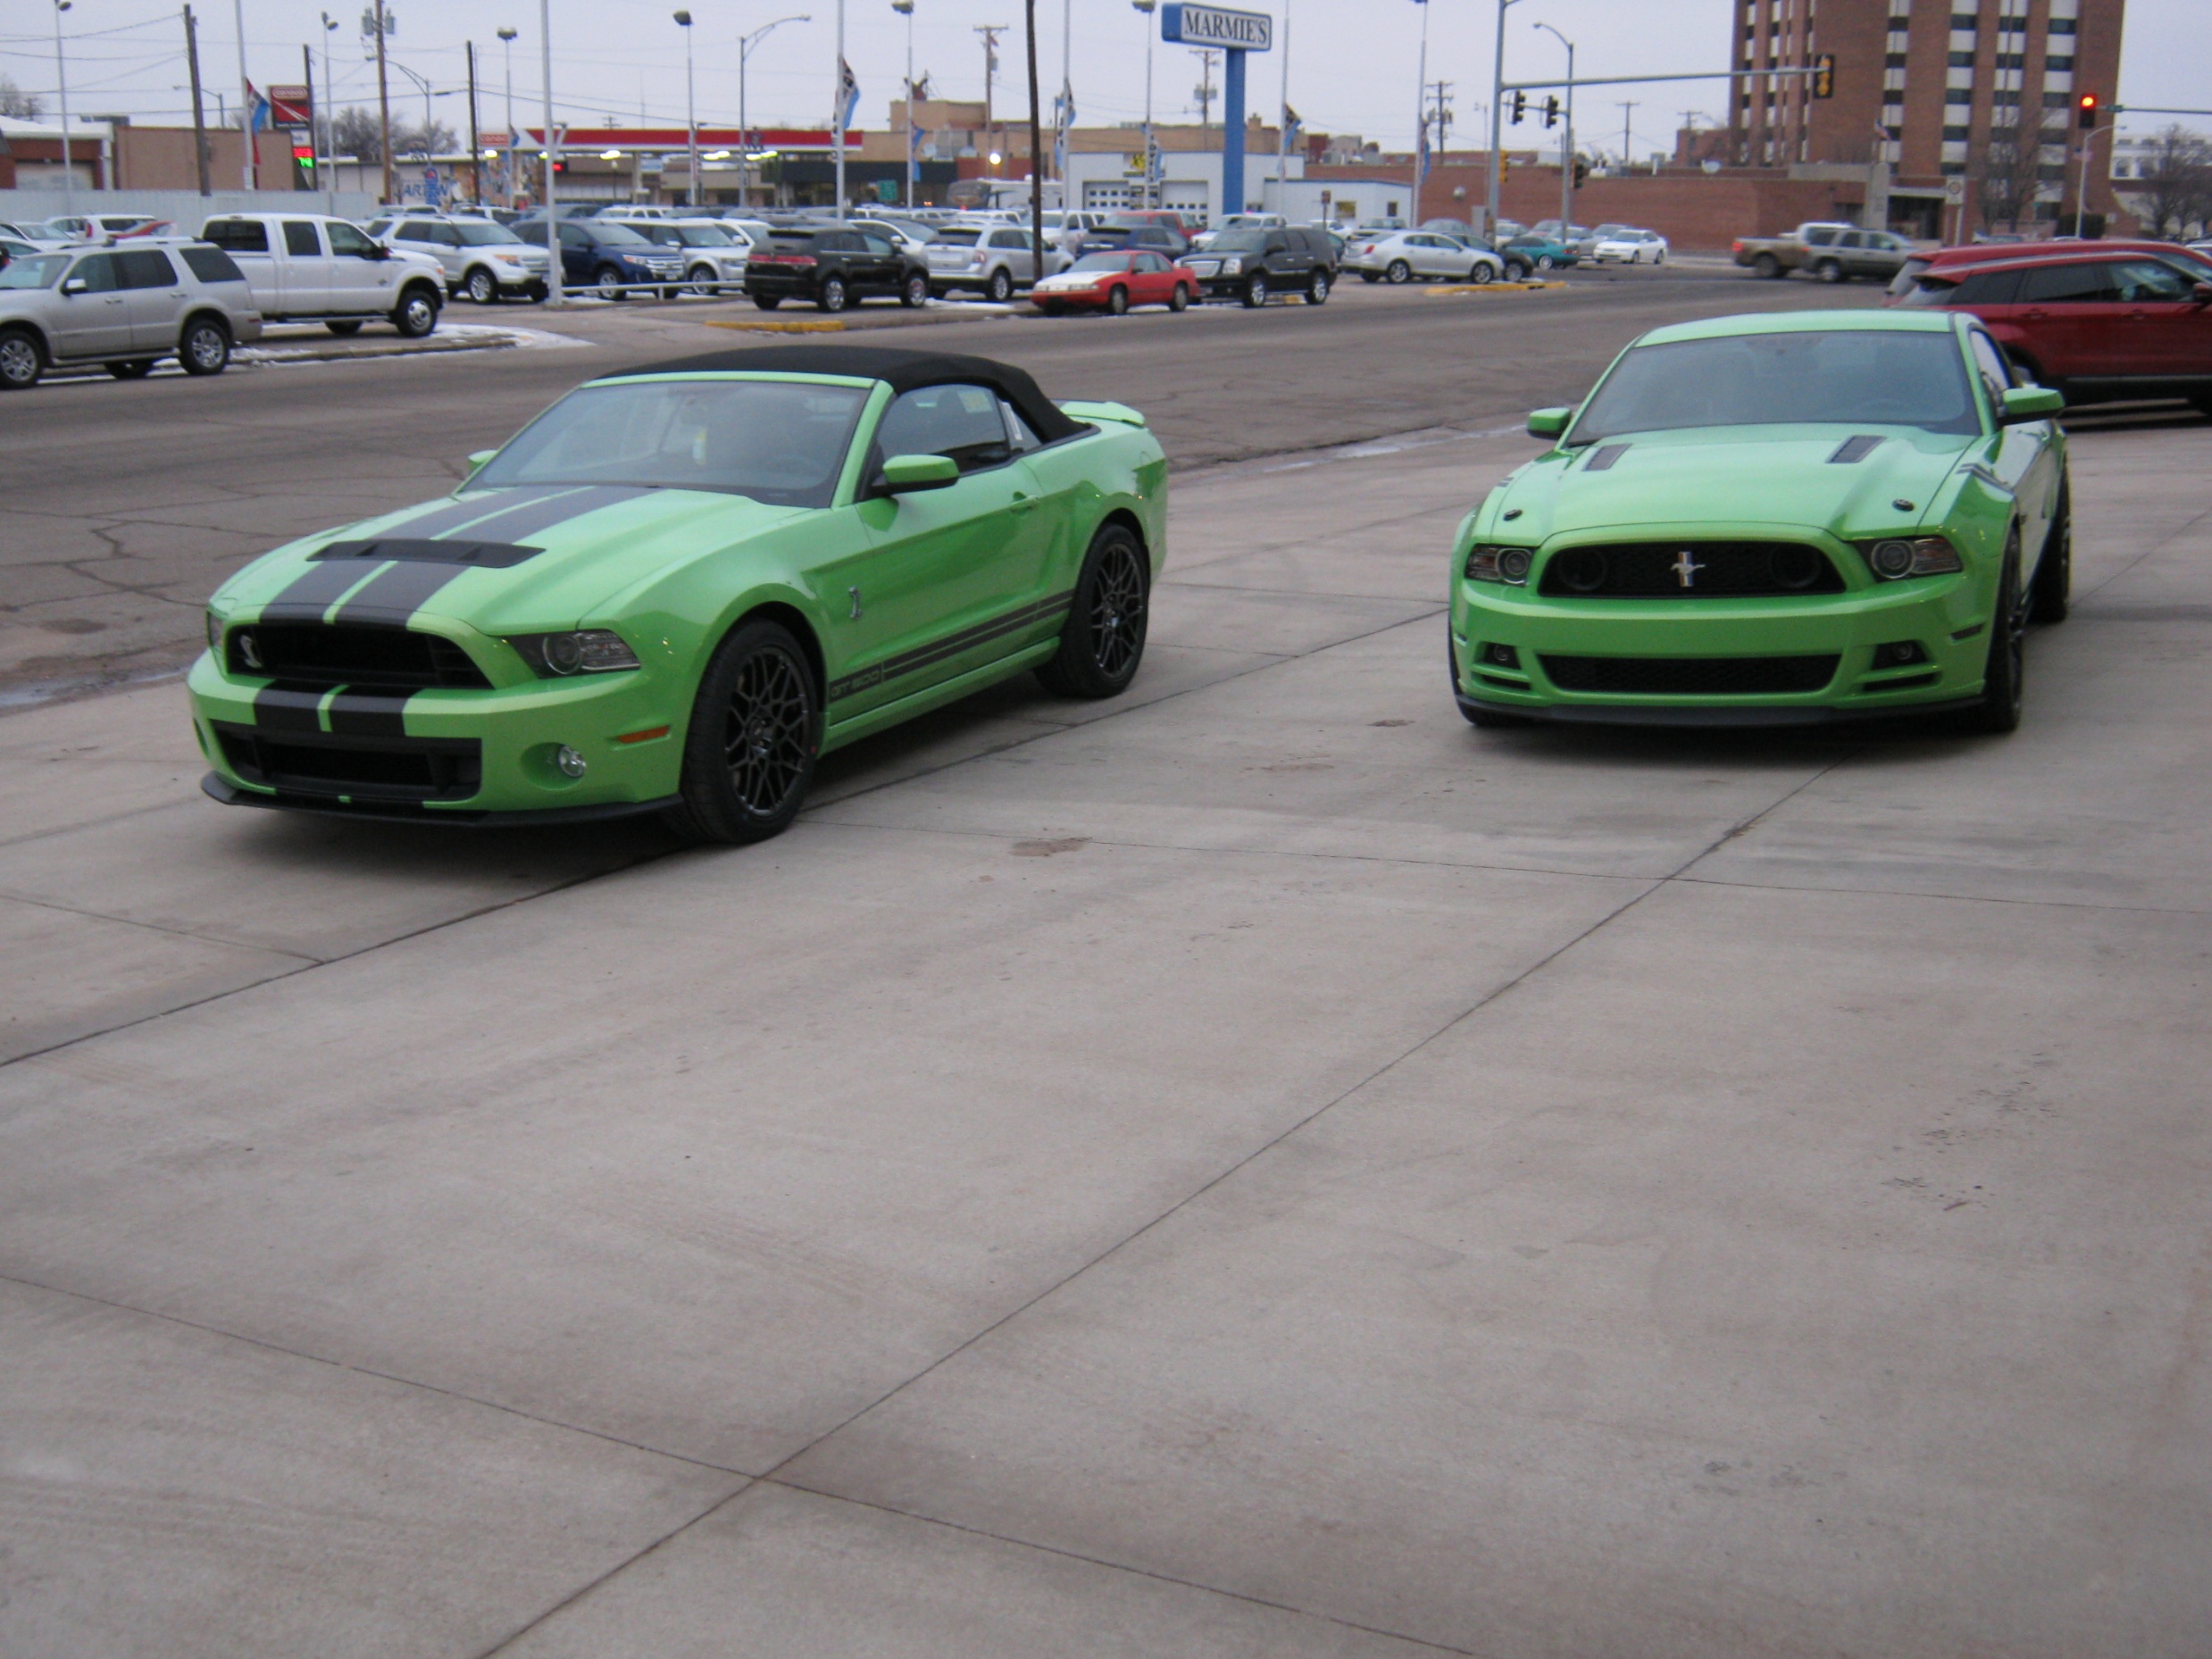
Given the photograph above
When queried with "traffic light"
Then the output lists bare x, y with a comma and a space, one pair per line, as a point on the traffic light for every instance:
302, 164
1520, 107
1551, 111
2087, 104
1825, 75
1581, 171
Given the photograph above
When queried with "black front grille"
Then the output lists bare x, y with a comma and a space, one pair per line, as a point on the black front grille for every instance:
1692, 676
1714, 570
360, 655
377, 769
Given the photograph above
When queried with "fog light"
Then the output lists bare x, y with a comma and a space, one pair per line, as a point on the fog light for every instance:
1899, 653
1501, 656
570, 764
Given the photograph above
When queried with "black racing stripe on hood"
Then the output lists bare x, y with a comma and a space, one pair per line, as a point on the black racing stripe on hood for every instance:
525, 520
456, 515
369, 714
397, 592
281, 707
312, 593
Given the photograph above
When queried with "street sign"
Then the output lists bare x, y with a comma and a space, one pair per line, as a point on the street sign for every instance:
495, 139
291, 106
1212, 26
1954, 191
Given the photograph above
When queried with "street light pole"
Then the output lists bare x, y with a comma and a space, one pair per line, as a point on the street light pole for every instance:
690, 107
383, 103
1421, 123
507, 42
904, 8
745, 46
1147, 8
553, 219
327, 166
1498, 115
837, 134
245, 97
1566, 142
61, 73
1282, 136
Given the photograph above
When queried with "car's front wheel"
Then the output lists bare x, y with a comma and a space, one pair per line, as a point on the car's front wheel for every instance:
483, 287
1481, 275
702, 277
756, 731
2005, 677
21, 362
1103, 640
2051, 597
1117, 300
204, 347
915, 293
1180, 300
1255, 290
607, 282
416, 314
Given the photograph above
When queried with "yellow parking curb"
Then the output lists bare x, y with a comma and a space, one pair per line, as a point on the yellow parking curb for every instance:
1494, 287
826, 325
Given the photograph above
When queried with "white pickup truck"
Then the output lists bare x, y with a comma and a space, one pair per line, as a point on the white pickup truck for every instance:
310, 268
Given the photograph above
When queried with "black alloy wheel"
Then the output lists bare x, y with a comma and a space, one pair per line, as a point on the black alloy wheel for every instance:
833, 295
1000, 288
1829, 270
204, 347
21, 362
1400, 271
915, 293
1255, 290
1317, 288
2050, 596
416, 314
345, 329
756, 731
1180, 300
483, 287
136, 369
607, 282
2004, 679
1766, 265
1117, 300
1103, 640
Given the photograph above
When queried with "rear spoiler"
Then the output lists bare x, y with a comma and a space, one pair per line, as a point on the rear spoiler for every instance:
1078, 410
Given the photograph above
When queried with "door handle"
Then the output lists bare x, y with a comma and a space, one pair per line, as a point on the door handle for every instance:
2035, 313
1021, 503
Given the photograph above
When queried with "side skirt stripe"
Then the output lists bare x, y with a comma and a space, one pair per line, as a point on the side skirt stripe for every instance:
953, 645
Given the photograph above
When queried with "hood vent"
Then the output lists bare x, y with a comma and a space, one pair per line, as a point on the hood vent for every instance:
1852, 450
1602, 458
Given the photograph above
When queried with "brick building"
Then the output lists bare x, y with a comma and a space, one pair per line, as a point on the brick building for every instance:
1980, 92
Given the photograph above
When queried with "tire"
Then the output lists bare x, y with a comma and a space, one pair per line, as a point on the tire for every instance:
1659, 258
22, 361
833, 296
767, 302
1371, 276
205, 347
702, 279
1481, 276
756, 731
416, 314
1254, 293
1545, 262
538, 293
345, 330
608, 281
1399, 272
1104, 638
1515, 272
2051, 597
482, 287
1766, 265
1180, 300
1000, 289
1317, 288
1999, 711
1117, 301
1829, 270
1051, 310
914, 293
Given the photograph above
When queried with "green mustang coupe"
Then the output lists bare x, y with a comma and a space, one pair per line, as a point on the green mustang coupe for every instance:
680, 586
1770, 521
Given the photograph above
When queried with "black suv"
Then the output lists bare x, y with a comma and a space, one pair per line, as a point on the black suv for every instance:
834, 266
1250, 265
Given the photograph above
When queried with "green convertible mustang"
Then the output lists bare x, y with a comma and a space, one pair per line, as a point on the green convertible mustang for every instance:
678, 587
1772, 520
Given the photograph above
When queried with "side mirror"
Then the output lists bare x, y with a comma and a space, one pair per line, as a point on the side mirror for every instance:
2029, 402
903, 475
75, 285
476, 461
377, 250
2201, 293
1549, 422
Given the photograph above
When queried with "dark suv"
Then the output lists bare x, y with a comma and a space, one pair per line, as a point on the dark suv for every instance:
834, 266
2099, 324
1250, 265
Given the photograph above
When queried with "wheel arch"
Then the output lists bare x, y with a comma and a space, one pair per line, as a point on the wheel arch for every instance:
800, 627
39, 338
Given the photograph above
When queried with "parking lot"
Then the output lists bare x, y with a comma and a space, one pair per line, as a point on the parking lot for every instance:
1252, 1167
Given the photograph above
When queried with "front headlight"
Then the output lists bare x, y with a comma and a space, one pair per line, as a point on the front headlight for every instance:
1232, 266
1896, 558
1509, 565
214, 633
587, 651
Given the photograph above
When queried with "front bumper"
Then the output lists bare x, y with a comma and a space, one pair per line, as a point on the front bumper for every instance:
441, 753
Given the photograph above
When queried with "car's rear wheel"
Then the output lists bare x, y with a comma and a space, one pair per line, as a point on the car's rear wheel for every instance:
1180, 300
1400, 271
483, 287
915, 293
833, 295
136, 369
21, 362
2051, 597
346, 329
1317, 288
416, 314
1766, 265
2004, 678
1117, 300
756, 731
1000, 288
1103, 640
1829, 270
205, 347
1544, 262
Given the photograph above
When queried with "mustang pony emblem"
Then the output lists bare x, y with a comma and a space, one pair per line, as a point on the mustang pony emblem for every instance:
1686, 568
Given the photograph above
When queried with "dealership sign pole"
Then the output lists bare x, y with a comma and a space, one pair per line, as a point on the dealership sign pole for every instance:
1232, 34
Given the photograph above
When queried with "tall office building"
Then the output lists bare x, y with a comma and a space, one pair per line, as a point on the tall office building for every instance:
1979, 91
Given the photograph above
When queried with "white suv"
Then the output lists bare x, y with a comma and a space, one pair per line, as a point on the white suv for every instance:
481, 258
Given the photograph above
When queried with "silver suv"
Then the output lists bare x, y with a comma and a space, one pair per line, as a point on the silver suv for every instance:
482, 259
995, 258
126, 307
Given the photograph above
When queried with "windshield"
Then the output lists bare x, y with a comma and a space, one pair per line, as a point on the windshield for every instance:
1101, 261
475, 233
36, 271
1240, 242
1857, 377
777, 441
616, 236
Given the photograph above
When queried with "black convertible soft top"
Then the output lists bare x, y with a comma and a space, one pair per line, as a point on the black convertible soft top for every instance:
901, 371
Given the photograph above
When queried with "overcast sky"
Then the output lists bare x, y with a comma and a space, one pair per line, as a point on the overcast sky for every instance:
1352, 62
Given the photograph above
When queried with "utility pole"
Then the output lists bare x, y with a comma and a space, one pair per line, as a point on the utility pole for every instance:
1441, 116
384, 101
1421, 125
1205, 88
1145, 9
327, 166
245, 97
475, 149
690, 112
837, 136
199, 120
1498, 131
906, 9
552, 218
61, 73
1282, 135
1067, 108
990, 33
1566, 142
1627, 108
1036, 159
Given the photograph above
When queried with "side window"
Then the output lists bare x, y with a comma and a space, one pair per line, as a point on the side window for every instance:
1851, 238
146, 267
300, 238
99, 273
1990, 363
445, 236
346, 240
240, 236
575, 236
877, 245
414, 231
1007, 239
1987, 287
2148, 281
1151, 264
1275, 247
1819, 237
962, 421
2065, 285
211, 264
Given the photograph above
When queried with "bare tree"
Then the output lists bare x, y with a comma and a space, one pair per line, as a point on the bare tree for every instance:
17, 105
2011, 175
354, 132
2173, 185
437, 138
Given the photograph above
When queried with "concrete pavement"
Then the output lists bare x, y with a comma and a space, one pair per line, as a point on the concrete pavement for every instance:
1257, 1167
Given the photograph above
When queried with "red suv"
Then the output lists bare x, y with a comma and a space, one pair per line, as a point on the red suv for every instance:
2099, 321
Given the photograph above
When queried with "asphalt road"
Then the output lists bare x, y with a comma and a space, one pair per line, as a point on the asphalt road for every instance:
121, 506
1256, 1167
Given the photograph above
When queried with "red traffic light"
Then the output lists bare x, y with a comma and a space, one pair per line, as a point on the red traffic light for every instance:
2087, 104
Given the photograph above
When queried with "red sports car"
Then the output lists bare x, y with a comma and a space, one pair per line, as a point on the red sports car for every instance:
1113, 280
